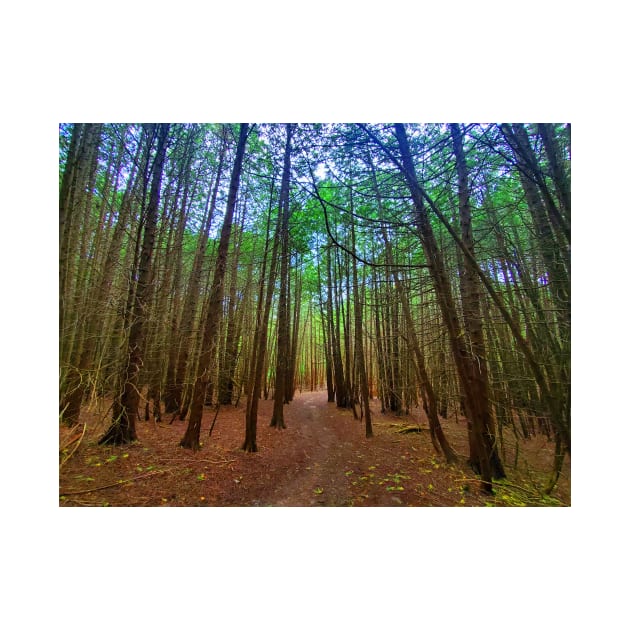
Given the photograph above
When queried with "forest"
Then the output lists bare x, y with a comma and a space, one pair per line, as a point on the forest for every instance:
315, 314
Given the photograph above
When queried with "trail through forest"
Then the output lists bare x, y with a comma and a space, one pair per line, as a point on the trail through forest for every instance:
321, 459
205, 264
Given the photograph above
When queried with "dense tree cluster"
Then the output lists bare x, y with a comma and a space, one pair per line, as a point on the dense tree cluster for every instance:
420, 264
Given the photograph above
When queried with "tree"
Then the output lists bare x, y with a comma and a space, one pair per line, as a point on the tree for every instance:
282, 354
259, 347
180, 358
483, 449
484, 455
359, 337
209, 342
123, 428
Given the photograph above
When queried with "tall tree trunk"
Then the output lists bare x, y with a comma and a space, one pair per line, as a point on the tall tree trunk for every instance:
325, 320
282, 359
234, 316
334, 334
561, 178
438, 438
75, 194
179, 363
358, 331
123, 427
211, 325
483, 441
70, 185
77, 385
295, 336
380, 345
442, 286
76, 224
259, 347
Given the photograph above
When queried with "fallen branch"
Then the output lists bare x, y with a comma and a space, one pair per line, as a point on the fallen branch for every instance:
205, 461
78, 438
122, 482
410, 429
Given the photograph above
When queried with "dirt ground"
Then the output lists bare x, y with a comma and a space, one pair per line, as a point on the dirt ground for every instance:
321, 459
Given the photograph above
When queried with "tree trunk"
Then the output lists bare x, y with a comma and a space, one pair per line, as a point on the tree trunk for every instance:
358, 331
438, 438
483, 441
334, 335
234, 316
123, 427
442, 286
211, 326
282, 354
259, 347
180, 362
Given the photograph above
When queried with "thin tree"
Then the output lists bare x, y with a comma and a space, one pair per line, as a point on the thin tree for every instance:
358, 331
211, 324
123, 427
482, 429
259, 347
179, 362
469, 378
282, 354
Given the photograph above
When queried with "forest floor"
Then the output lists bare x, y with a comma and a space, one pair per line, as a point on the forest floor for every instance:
322, 458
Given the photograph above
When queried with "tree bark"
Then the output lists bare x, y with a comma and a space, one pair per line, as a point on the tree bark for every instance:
259, 347
447, 306
282, 354
482, 436
123, 427
193, 430
360, 356
181, 362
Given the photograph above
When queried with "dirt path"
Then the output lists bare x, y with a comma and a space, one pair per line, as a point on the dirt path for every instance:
322, 458
329, 446
341, 467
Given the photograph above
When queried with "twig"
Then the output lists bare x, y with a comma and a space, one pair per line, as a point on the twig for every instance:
205, 461
215, 419
122, 482
78, 439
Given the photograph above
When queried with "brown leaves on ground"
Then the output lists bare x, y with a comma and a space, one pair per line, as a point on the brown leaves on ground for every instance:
322, 458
